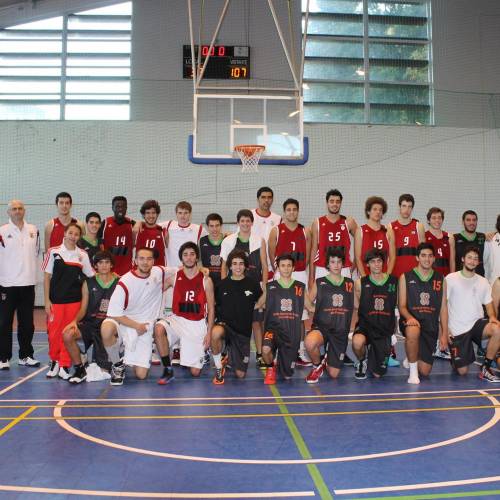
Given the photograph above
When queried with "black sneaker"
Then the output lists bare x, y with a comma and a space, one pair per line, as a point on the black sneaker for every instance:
176, 357
488, 375
79, 375
348, 361
361, 367
117, 373
219, 376
480, 354
167, 376
261, 364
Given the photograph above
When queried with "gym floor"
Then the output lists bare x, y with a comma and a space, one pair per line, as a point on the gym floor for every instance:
191, 439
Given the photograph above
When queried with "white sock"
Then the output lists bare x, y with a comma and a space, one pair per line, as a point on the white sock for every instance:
113, 352
217, 360
413, 378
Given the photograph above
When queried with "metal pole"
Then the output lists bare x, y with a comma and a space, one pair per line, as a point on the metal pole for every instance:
304, 43
202, 13
191, 36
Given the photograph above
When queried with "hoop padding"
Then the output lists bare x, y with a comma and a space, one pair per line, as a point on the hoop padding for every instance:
249, 155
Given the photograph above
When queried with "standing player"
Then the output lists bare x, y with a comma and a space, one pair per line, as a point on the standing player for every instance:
467, 293
90, 241
492, 255
54, 229
192, 318
377, 298
210, 247
408, 233
96, 294
285, 300
132, 311
468, 237
117, 236
332, 230
263, 219
374, 234
422, 305
149, 234
496, 297
255, 249
65, 268
443, 242
335, 304
236, 297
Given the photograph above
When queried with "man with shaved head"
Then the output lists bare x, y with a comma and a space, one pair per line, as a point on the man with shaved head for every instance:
19, 248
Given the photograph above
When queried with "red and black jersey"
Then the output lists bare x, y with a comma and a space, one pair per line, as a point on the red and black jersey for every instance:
333, 235
189, 298
117, 238
441, 251
374, 238
406, 242
57, 234
292, 242
154, 238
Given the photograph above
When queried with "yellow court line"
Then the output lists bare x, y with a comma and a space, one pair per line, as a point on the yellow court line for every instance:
18, 419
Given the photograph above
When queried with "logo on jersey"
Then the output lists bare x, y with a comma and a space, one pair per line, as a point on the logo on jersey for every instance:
425, 299
342, 227
104, 305
248, 293
337, 300
215, 260
379, 304
286, 305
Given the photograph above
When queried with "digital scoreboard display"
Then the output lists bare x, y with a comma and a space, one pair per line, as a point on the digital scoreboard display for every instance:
226, 62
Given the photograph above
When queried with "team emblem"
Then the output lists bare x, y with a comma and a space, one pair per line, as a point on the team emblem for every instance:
379, 304
286, 305
425, 299
337, 300
215, 260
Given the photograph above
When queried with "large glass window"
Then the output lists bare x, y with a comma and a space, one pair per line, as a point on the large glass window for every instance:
368, 61
73, 67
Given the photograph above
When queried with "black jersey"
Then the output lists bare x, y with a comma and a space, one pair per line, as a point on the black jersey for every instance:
284, 307
334, 305
254, 264
99, 296
90, 248
210, 257
424, 297
376, 306
461, 243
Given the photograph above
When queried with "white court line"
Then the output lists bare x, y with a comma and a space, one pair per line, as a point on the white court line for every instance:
22, 380
257, 398
145, 494
65, 425
418, 486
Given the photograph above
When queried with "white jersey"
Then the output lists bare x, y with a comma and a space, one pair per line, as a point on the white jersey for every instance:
177, 236
262, 225
138, 298
492, 258
466, 297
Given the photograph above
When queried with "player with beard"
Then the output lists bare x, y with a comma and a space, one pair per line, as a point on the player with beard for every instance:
468, 237
263, 219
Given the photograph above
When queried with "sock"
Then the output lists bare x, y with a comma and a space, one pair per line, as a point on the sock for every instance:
165, 361
113, 352
217, 360
258, 354
487, 362
413, 369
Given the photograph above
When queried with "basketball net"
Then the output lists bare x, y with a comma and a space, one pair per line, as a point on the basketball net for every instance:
249, 155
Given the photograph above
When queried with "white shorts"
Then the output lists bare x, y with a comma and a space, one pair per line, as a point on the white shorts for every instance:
189, 335
321, 272
299, 276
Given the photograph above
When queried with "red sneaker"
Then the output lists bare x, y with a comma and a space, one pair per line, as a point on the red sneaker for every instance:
270, 378
315, 374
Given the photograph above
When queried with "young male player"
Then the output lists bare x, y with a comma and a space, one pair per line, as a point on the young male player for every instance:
190, 324
408, 233
335, 304
492, 255
236, 297
132, 312
90, 241
263, 219
54, 229
285, 301
96, 294
443, 243
467, 293
377, 298
210, 247
149, 234
467, 237
332, 230
422, 305
117, 236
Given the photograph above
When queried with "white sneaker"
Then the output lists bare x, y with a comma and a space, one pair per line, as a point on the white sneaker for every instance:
413, 380
155, 359
64, 373
53, 369
406, 364
28, 362
5, 365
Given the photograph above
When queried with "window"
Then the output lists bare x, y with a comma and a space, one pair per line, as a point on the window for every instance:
368, 61
71, 67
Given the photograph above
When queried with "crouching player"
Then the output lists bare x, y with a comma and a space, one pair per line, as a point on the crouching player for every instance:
422, 305
335, 303
285, 299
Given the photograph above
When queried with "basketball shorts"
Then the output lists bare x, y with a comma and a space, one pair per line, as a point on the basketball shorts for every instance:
335, 344
461, 348
426, 342
379, 350
237, 347
286, 352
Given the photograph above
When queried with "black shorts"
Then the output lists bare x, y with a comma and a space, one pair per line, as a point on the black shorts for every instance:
287, 352
237, 347
91, 336
258, 315
461, 348
426, 342
379, 350
335, 344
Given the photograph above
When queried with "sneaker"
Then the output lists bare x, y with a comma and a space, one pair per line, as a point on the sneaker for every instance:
480, 353
167, 376
176, 357
439, 354
261, 364
413, 380
392, 362
64, 373
315, 374
361, 367
28, 362
84, 358
79, 375
117, 374
5, 365
219, 376
302, 362
53, 370
270, 378
155, 359
206, 358
488, 375
348, 361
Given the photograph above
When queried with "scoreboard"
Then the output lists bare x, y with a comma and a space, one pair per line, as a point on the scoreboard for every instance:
226, 62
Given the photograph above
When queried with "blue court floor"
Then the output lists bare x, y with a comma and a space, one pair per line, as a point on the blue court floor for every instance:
190, 439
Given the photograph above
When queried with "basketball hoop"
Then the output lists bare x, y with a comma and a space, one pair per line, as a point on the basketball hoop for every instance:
249, 155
